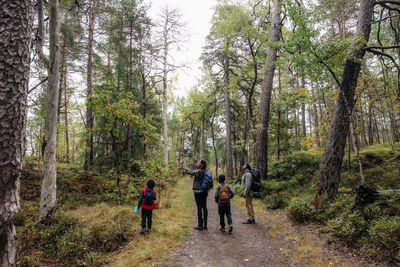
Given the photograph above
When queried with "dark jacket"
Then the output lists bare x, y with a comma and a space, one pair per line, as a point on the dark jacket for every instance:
231, 194
198, 178
142, 196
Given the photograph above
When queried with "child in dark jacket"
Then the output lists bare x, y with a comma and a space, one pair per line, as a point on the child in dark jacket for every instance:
223, 195
146, 201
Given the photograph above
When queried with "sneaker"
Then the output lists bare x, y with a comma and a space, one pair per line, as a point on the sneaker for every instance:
198, 228
253, 221
144, 230
247, 221
222, 229
230, 229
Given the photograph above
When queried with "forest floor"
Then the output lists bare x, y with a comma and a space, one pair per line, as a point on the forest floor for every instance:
272, 241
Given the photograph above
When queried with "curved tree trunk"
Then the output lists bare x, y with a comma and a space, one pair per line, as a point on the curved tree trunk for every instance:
48, 192
263, 115
16, 22
331, 164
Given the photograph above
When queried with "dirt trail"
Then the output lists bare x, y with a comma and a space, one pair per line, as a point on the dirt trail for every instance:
272, 241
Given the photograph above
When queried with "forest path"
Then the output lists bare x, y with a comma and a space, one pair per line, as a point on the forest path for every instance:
272, 241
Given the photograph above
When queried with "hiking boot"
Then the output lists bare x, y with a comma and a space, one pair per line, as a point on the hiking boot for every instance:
205, 227
248, 221
222, 229
230, 229
144, 230
198, 228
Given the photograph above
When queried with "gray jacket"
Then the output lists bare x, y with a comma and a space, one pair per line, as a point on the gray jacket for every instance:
246, 183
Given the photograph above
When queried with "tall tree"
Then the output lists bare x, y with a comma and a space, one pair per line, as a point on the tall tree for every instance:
261, 150
16, 22
330, 168
89, 91
48, 200
171, 31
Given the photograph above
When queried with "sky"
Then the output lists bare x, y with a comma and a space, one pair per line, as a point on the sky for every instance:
197, 17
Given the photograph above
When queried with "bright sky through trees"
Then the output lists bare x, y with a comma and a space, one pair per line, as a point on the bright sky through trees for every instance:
197, 16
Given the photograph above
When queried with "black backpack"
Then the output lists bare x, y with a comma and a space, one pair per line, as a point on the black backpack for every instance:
256, 180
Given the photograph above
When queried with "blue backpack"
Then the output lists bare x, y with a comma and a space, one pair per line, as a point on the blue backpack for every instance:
207, 183
148, 196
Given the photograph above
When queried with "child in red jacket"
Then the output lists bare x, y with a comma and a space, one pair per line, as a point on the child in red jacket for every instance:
146, 201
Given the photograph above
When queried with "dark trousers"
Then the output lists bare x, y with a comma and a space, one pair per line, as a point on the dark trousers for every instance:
201, 203
222, 211
146, 214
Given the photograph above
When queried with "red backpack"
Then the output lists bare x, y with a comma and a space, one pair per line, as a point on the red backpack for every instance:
224, 196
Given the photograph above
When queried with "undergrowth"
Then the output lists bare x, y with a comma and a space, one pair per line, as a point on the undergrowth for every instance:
291, 186
94, 218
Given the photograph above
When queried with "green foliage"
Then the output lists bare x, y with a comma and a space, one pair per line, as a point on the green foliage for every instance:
385, 233
301, 165
300, 210
348, 226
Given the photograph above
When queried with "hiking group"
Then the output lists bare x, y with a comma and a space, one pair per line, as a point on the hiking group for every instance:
202, 184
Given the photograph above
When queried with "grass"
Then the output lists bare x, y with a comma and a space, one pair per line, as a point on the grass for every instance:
171, 223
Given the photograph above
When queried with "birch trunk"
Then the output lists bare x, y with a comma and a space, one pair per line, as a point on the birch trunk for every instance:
48, 199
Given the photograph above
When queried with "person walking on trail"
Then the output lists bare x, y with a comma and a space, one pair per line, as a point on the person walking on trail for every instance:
202, 182
146, 201
248, 193
223, 195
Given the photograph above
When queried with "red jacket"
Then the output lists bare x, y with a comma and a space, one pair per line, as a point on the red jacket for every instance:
141, 200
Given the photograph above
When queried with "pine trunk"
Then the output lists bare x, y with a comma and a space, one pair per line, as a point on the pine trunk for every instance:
89, 114
263, 115
16, 22
228, 123
331, 164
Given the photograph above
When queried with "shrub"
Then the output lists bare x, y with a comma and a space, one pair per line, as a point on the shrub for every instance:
348, 227
385, 233
300, 210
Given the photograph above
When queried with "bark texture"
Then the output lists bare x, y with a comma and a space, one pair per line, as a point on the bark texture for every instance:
16, 25
48, 199
331, 164
263, 115
228, 122
89, 114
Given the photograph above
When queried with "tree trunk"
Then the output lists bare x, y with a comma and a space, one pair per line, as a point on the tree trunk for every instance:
316, 121
370, 128
303, 109
263, 115
165, 121
213, 142
66, 114
228, 123
16, 22
331, 164
89, 115
48, 200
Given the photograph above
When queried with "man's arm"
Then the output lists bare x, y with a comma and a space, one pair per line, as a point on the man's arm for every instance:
140, 200
191, 172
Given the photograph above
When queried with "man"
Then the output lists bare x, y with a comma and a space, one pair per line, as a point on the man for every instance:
248, 193
200, 194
